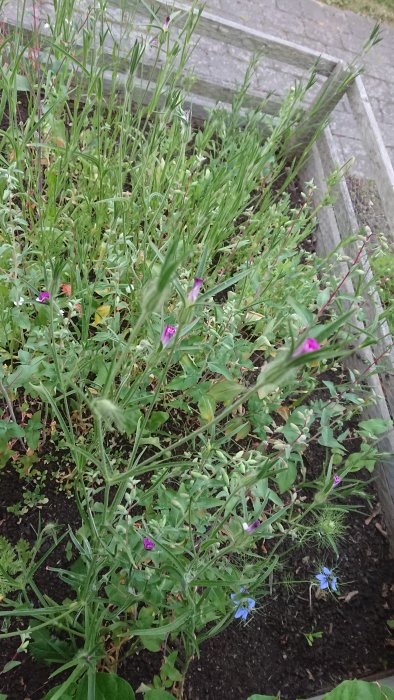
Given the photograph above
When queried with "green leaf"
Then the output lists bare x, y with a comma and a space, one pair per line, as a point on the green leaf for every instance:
220, 369
306, 317
327, 438
225, 390
156, 694
10, 665
65, 696
207, 408
108, 687
360, 690
157, 419
263, 697
3, 697
21, 83
286, 478
374, 426
48, 649
152, 643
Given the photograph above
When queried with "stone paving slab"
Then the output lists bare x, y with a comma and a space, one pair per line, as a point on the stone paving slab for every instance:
311, 24
331, 30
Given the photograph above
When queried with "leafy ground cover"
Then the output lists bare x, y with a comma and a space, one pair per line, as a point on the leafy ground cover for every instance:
171, 360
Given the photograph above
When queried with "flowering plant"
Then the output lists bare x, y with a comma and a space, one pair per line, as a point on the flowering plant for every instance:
179, 356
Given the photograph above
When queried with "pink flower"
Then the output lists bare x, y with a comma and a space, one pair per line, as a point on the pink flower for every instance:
309, 345
43, 297
148, 543
336, 480
167, 334
193, 294
252, 527
66, 289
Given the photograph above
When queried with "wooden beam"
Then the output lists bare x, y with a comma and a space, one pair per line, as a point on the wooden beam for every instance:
348, 225
229, 32
317, 114
380, 162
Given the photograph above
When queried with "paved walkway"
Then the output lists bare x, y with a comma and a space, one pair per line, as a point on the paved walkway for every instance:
309, 23
324, 28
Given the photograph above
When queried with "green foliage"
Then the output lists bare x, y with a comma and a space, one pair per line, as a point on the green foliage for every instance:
348, 690
106, 686
113, 207
360, 690
13, 560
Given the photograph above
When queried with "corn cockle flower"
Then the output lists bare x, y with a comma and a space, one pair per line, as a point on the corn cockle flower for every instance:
252, 527
244, 605
193, 294
327, 580
148, 543
167, 334
336, 480
43, 297
309, 345
166, 24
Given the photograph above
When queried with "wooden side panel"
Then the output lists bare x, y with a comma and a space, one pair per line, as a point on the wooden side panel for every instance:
236, 34
380, 162
328, 238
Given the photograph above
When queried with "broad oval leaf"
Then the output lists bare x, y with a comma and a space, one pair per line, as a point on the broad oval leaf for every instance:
108, 687
360, 690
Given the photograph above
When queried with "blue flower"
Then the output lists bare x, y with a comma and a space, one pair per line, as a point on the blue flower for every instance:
244, 605
327, 580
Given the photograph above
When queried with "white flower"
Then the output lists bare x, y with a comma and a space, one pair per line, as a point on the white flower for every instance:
19, 302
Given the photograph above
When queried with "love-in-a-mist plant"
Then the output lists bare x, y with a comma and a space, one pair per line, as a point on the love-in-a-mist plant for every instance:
161, 314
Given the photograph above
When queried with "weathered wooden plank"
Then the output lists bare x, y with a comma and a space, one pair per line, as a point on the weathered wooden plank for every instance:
236, 34
328, 237
348, 225
380, 162
330, 93
213, 88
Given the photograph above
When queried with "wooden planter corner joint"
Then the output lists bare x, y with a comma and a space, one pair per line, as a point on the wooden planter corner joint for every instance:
336, 221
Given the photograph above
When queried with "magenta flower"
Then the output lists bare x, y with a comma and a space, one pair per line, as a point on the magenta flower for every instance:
167, 334
252, 527
309, 345
193, 294
148, 543
336, 480
43, 297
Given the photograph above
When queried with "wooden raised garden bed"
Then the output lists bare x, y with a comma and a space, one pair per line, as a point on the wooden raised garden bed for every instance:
337, 221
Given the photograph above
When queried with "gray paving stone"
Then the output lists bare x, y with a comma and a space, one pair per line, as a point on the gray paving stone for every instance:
339, 33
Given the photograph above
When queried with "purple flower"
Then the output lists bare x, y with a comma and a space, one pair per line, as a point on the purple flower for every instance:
43, 297
244, 605
336, 480
309, 345
167, 334
252, 527
327, 580
193, 294
148, 543
166, 24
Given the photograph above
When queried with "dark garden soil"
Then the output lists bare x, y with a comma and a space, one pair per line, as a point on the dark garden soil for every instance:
269, 653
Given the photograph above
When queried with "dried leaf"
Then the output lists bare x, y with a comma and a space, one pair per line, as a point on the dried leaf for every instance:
381, 530
348, 597
373, 515
284, 412
101, 314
